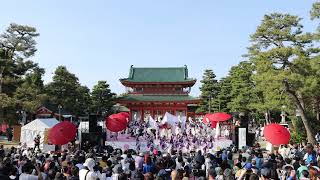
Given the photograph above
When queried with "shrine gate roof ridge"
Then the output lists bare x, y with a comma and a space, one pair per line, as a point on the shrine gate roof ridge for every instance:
158, 75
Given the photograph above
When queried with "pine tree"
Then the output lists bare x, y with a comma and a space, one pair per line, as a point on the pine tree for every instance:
224, 97
66, 91
209, 91
242, 87
102, 98
282, 55
30, 95
17, 47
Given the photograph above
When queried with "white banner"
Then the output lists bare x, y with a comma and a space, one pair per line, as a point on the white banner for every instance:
170, 119
242, 137
152, 123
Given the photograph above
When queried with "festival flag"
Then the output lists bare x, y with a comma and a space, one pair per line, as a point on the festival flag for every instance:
170, 119
152, 123
183, 123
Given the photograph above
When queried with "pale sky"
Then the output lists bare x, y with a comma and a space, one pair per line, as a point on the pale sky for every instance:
100, 39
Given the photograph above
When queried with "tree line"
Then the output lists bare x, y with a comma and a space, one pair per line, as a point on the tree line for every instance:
280, 72
22, 87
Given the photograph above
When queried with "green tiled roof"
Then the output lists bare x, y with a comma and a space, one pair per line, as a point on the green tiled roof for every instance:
168, 74
150, 98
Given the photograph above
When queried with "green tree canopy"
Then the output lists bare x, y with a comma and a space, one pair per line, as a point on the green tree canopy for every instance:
30, 95
209, 91
242, 87
102, 98
17, 47
281, 53
65, 90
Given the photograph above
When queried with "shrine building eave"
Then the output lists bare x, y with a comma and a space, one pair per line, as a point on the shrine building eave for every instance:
129, 83
158, 99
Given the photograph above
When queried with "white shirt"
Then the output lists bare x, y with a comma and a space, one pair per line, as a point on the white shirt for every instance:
80, 166
138, 162
115, 177
90, 176
24, 176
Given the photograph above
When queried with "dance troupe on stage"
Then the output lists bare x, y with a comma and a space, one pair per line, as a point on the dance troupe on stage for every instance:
171, 133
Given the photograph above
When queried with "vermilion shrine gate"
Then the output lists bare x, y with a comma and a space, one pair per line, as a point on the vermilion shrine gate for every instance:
154, 91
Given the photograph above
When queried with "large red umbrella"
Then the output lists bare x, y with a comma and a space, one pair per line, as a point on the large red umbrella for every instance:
126, 115
62, 133
116, 122
207, 119
219, 117
276, 134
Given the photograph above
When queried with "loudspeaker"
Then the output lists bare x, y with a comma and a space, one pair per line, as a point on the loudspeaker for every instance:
244, 121
250, 139
93, 123
236, 136
92, 139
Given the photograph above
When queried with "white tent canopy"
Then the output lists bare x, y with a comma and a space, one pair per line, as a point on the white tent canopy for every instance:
35, 127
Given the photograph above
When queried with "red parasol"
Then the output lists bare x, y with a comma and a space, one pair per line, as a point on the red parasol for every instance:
213, 124
219, 117
207, 119
276, 134
116, 122
126, 115
62, 133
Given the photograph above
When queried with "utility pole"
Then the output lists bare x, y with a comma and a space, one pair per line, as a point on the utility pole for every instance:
219, 104
59, 107
210, 103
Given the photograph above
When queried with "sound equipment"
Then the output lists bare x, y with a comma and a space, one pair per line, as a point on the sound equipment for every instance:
235, 138
93, 123
244, 120
92, 139
250, 139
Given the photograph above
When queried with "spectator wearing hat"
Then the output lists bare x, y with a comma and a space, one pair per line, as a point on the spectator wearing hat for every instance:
302, 167
88, 173
304, 175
